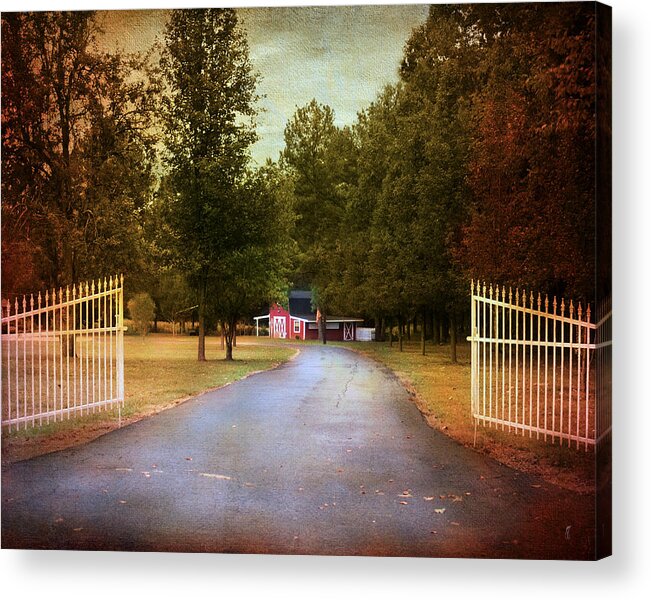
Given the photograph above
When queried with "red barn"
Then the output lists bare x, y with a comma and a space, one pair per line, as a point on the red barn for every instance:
299, 322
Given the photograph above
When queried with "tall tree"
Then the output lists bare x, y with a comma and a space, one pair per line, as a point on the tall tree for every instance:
209, 127
257, 269
531, 167
77, 149
317, 155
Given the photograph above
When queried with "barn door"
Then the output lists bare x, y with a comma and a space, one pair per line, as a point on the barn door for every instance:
280, 330
348, 332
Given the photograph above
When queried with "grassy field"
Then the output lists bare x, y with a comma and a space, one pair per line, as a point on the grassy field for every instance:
159, 371
441, 390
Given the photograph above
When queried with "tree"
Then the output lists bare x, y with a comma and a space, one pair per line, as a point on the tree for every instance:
531, 167
317, 158
77, 149
208, 123
142, 310
256, 269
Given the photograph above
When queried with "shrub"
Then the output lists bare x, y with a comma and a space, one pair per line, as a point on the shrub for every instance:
142, 309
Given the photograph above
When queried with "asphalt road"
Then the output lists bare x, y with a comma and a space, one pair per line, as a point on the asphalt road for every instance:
323, 455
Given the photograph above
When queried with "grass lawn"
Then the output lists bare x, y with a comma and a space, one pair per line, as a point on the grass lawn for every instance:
159, 371
441, 390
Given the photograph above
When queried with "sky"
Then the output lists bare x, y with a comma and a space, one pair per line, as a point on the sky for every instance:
340, 55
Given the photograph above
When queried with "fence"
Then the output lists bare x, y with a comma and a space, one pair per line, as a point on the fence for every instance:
62, 353
540, 368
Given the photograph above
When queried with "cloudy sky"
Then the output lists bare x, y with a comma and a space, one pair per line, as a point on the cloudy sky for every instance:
340, 55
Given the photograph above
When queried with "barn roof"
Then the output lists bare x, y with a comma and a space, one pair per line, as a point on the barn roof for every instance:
300, 305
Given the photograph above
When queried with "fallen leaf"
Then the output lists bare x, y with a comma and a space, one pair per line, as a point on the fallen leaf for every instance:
428, 498
122, 501
77, 528
439, 511
59, 520
146, 474
535, 485
123, 469
403, 502
405, 494
454, 523
188, 458
215, 476
455, 498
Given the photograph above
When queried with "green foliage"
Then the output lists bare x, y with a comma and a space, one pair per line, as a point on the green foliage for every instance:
319, 160
224, 227
142, 310
480, 162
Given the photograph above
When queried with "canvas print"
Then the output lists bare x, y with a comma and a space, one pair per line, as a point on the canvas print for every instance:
308, 280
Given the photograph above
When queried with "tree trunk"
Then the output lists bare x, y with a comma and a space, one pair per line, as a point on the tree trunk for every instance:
400, 327
229, 336
453, 338
423, 332
379, 329
322, 326
235, 336
391, 332
409, 324
201, 351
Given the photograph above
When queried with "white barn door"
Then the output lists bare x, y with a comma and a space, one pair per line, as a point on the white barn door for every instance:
348, 332
280, 328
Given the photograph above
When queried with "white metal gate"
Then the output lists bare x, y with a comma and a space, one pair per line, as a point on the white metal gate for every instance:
62, 353
538, 367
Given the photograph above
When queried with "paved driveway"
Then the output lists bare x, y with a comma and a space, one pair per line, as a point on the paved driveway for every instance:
323, 455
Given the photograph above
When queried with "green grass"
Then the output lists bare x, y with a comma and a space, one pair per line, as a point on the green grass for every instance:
159, 371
